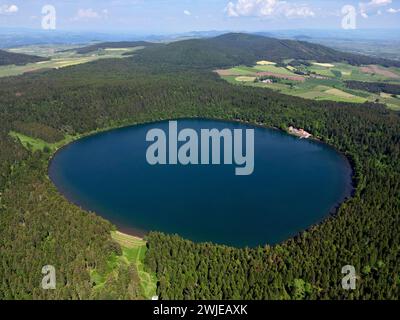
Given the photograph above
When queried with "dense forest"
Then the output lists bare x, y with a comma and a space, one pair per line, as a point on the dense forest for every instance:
18, 58
236, 49
374, 87
38, 226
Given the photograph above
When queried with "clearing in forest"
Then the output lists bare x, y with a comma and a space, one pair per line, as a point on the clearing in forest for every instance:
134, 251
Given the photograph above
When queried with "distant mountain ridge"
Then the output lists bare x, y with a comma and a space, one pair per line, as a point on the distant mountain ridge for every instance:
7, 58
117, 44
239, 48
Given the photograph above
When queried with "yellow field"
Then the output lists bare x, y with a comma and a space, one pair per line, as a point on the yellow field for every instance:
326, 65
62, 60
126, 240
266, 63
117, 49
339, 93
385, 95
245, 79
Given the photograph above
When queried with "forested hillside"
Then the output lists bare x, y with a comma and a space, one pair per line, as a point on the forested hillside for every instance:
375, 87
18, 58
38, 226
236, 49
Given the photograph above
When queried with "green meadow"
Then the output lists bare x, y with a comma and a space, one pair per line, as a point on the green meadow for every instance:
133, 254
322, 81
35, 144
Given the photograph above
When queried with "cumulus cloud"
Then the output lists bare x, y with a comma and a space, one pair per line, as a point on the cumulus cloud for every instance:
252, 8
299, 12
86, 14
267, 8
8, 9
391, 10
372, 7
187, 13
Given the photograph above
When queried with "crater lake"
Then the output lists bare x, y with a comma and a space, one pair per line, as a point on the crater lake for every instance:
296, 183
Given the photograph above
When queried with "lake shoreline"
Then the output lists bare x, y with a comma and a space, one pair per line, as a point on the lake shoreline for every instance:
348, 193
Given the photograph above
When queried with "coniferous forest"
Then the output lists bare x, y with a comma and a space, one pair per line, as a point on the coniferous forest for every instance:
38, 226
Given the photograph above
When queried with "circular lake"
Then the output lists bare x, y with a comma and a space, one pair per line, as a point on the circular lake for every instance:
295, 184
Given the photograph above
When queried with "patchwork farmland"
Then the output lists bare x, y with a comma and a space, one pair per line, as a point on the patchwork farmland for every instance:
316, 81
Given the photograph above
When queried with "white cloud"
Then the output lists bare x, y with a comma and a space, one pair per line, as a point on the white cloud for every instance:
231, 10
391, 10
372, 7
86, 14
187, 13
299, 12
251, 7
267, 8
8, 9
381, 2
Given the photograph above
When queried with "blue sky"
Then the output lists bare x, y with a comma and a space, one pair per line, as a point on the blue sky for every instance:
166, 16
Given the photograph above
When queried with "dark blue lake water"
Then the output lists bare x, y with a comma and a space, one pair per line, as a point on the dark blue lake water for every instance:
295, 184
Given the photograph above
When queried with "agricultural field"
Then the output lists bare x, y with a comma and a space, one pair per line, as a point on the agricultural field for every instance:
317, 81
60, 57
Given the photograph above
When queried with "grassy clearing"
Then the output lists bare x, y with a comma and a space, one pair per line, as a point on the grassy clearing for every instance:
245, 79
391, 101
252, 71
325, 72
394, 107
280, 87
328, 93
339, 93
133, 252
242, 71
35, 144
273, 69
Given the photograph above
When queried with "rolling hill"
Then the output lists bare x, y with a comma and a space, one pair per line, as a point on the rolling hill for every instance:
7, 58
119, 44
237, 49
